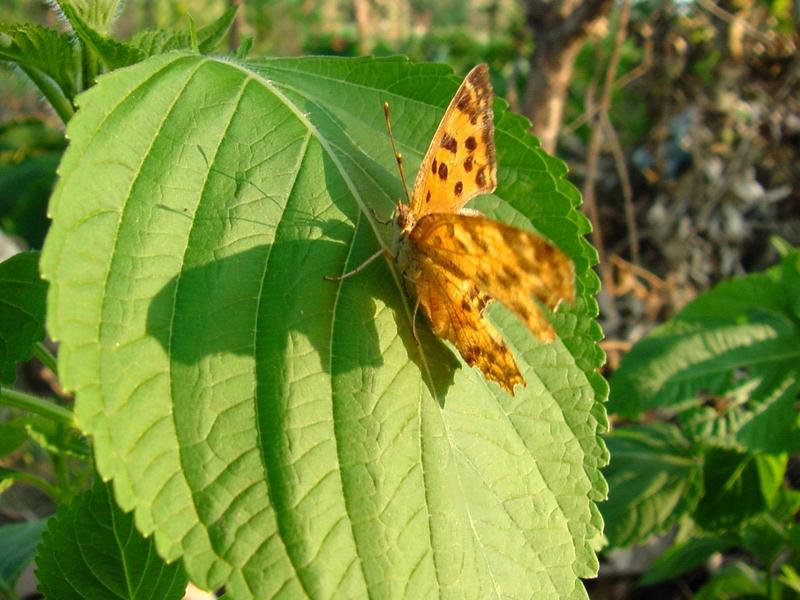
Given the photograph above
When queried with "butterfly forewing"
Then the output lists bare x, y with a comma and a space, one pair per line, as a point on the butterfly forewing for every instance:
460, 161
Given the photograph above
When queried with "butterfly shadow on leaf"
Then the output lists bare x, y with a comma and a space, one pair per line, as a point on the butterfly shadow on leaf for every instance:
272, 303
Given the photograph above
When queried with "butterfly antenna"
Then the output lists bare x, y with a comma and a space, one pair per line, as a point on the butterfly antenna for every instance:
397, 156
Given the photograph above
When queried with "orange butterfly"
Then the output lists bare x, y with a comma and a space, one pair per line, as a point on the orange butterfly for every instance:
455, 261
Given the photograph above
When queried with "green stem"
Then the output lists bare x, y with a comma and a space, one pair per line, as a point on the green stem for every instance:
36, 405
43, 354
51, 90
48, 489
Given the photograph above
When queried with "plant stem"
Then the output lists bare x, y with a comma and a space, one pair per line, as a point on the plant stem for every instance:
39, 482
36, 405
51, 90
43, 354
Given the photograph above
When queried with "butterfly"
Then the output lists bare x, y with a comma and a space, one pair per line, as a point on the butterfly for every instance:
455, 261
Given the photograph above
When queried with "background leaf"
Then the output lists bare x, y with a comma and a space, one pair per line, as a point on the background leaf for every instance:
49, 52
654, 479
280, 431
682, 557
737, 487
91, 549
728, 363
22, 311
158, 41
737, 580
18, 543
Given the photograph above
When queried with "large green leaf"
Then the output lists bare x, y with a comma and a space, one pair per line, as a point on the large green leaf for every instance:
91, 549
22, 311
284, 433
654, 479
729, 362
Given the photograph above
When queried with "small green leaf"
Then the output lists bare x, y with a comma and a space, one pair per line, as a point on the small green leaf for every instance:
654, 479
91, 549
97, 14
683, 557
285, 433
211, 36
22, 311
111, 53
157, 41
737, 487
18, 543
49, 52
737, 580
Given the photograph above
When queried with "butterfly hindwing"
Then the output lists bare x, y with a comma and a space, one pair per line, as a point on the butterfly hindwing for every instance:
460, 162
454, 309
513, 266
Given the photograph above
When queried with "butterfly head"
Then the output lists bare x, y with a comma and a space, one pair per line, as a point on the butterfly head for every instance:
406, 219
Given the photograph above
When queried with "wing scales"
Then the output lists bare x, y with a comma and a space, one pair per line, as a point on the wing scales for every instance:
460, 162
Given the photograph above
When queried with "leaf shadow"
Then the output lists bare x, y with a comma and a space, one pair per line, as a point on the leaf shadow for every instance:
272, 302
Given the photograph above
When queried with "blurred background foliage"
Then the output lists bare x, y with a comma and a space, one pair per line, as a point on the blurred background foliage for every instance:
680, 122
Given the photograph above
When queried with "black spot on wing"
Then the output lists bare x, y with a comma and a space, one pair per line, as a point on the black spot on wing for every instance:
480, 177
449, 143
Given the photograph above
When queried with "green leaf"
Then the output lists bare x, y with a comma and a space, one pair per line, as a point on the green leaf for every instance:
111, 53
281, 431
43, 50
157, 41
211, 36
728, 362
737, 580
91, 549
683, 557
765, 539
97, 14
29, 154
22, 311
737, 487
790, 278
790, 578
18, 543
654, 479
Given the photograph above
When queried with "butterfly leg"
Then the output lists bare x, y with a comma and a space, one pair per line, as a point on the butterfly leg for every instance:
414, 322
361, 267
379, 220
